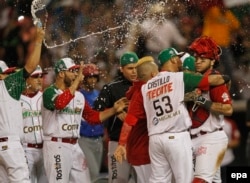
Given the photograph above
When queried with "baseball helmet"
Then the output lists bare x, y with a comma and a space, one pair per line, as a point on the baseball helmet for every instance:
90, 70
205, 47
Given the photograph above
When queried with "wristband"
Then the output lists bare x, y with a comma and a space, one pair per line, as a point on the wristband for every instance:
204, 102
207, 105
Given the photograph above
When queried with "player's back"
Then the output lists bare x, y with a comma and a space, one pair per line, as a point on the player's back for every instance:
163, 98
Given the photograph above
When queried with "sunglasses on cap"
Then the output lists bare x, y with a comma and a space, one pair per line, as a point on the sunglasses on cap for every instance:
37, 76
73, 70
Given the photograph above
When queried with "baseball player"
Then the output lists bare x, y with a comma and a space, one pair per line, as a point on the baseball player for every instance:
63, 107
133, 141
12, 156
32, 141
208, 138
91, 141
118, 173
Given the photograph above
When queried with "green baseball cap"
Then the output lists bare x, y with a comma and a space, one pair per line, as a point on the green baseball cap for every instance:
128, 58
167, 54
65, 64
189, 63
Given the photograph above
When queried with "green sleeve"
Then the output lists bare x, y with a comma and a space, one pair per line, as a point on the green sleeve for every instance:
15, 84
191, 81
48, 98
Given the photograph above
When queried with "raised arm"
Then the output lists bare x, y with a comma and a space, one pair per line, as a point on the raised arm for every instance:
193, 81
34, 58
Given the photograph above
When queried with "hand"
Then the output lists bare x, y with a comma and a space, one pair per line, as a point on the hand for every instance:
121, 115
80, 75
192, 96
121, 104
120, 153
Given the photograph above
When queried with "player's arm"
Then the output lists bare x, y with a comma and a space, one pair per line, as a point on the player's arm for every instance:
215, 107
120, 152
220, 102
95, 117
75, 85
218, 79
53, 99
117, 108
192, 81
135, 111
34, 58
220, 108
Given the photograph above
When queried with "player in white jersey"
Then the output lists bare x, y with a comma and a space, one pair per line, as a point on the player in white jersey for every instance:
12, 156
32, 141
209, 140
168, 121
63, 107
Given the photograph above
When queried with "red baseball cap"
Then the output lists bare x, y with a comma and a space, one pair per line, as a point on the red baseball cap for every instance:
38, 71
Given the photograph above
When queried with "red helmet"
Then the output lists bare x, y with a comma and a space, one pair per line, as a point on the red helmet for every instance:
90, 70
205, 47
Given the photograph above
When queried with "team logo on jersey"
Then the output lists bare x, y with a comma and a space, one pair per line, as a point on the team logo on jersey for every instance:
155, 121
68, 110
29, 129
31, 113
78, 110
225, 97
69, 127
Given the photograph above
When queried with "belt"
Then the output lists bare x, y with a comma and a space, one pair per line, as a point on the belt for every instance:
65, 140
203, 133
38, 146
4, 139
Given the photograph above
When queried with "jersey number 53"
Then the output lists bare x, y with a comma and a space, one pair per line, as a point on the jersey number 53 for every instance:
162, 105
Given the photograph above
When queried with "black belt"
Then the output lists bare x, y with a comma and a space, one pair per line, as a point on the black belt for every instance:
65, 140
203, 133
37, 146
4, 139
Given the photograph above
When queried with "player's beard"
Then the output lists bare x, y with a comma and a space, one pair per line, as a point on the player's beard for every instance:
38, 88
67, 81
